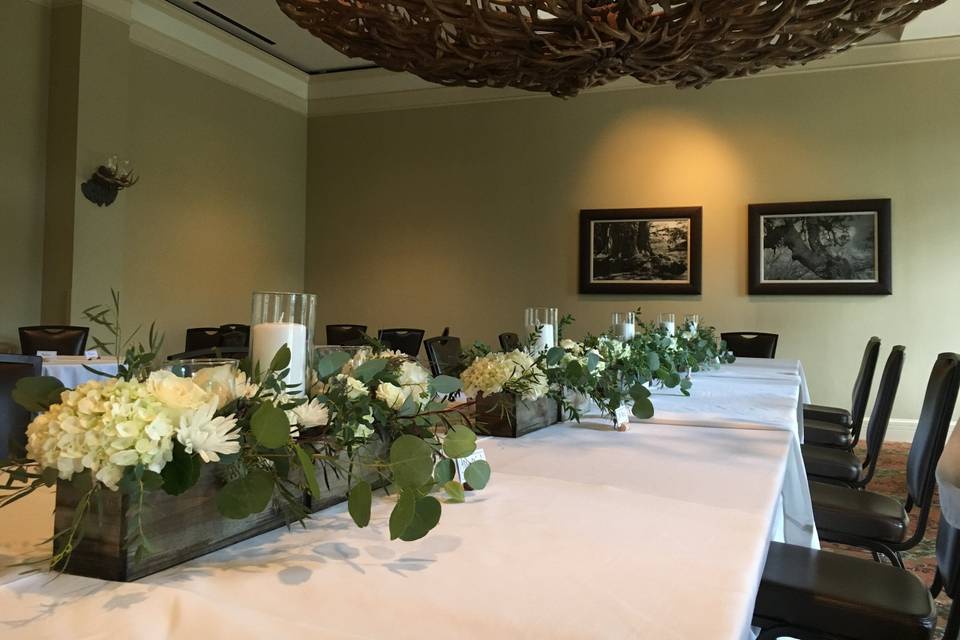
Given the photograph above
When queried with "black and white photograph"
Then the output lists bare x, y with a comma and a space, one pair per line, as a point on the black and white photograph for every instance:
840, 247
640, 250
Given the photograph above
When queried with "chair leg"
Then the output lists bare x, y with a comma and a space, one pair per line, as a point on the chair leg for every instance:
951, 631
876, 556
937, 585
896, 559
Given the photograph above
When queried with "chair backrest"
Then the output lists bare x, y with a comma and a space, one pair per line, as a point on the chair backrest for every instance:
64, 339
14, 418
202, 338
234, 335
938, 404
509, 341
751, 344
231, 353
346, 334
407, 341
883, 407
948, 557
443, 352
861, 386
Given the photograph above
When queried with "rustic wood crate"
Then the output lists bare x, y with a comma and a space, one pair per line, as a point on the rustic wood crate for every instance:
507, 416
334, 487
178, 528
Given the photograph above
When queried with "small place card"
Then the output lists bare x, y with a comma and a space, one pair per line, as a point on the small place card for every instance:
463, 463
47, 354
622, 414
92, 354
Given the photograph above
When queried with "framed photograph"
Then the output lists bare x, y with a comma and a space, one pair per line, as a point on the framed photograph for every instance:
838, 247
641, 250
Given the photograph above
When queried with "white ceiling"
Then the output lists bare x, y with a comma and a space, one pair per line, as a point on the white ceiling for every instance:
301, 49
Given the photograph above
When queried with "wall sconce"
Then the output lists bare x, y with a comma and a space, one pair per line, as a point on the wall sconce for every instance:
107, 181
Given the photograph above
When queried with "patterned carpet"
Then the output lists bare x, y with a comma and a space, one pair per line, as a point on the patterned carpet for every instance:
890, 480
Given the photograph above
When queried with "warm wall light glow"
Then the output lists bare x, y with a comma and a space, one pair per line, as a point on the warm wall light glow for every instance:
658, 158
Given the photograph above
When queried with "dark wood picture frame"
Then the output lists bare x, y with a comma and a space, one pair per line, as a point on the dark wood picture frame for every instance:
881, 284
692, 285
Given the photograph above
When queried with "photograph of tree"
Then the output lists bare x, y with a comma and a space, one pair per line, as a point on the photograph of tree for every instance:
834, 247
640, 250
840, 248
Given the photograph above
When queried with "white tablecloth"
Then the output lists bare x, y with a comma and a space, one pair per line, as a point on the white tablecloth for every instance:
762, 369
660, 532
70, 370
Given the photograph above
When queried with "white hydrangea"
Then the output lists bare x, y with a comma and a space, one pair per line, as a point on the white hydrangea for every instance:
106, 425
494, 372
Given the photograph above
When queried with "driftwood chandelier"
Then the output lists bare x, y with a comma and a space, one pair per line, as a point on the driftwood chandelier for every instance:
566, 46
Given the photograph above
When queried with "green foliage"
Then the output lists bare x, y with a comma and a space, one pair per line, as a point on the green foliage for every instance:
477, 474
445, 471
370, 369
331, 364
426, 515
403, 512
182, 472
460, 442
445, 385
36, 394
454, 491
309, 471
411, 461
135, 359
269, 425
359, 502
247, 495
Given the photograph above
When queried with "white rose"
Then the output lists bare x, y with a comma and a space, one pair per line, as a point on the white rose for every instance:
352, 387
221, 381
391, 395
178, 394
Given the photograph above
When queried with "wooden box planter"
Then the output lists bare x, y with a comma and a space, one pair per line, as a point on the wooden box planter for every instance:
334, 487
178, 528
506, 416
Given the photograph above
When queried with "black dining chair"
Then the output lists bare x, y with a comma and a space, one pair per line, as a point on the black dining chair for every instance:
406, 341
14, 418
202, 338
838, 427
809, 594
751, 344
229, 353
509, 341
234, 335
346, 334
64, 339
876, 522
839, 466
443, 352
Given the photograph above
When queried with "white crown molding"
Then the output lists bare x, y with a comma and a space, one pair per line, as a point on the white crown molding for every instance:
370, 90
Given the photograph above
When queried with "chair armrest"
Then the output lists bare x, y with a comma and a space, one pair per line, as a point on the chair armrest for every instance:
834, 415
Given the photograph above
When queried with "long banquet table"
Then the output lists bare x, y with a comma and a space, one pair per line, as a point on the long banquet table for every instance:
659, 532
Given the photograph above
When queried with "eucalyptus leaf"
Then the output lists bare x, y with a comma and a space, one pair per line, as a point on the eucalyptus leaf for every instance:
402, 514
411, 460
643, 408
477, 475
370, 369
653, 361
37, 393
182, 472
459, 442
639, 392
425, 517
593, 359
245, 496
554, 355
445, 471
332, 363
454, 490
270, 426
359, 501
445, 385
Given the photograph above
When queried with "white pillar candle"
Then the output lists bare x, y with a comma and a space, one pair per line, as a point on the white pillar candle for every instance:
546, 339
627, 331
267, 338
670, 326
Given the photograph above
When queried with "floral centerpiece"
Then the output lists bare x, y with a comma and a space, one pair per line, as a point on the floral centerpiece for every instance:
236, 442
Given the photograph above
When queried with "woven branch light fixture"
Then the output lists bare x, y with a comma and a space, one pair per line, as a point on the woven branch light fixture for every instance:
565, 46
